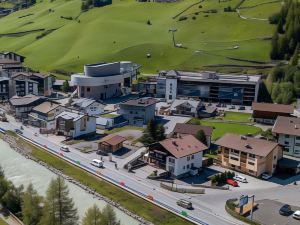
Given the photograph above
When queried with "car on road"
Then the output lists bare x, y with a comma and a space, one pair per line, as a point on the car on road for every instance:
18, 131
64, 148
266, 176
296, 215
232, 107
242, 108
97, 162
232, 182
185, 204
285, 210
36, 134
240, 178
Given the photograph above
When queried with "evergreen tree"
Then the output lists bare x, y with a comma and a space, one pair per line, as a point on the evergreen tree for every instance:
275, 46
11, 200
295, 58
200, 135
59, 207
93, 216
160, 132
31, 206
109, 216
66, 86
151, 127
275, 91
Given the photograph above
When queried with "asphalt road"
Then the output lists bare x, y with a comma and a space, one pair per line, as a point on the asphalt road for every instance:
144, 188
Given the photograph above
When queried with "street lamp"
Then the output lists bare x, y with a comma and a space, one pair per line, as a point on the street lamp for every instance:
173, 30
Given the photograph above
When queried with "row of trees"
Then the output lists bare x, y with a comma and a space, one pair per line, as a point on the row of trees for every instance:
286, 39
283, 83
87, 4
57, 208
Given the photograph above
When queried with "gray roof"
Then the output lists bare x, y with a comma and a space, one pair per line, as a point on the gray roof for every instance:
82, 102
70, 115
102, 121
178, 102
25, 100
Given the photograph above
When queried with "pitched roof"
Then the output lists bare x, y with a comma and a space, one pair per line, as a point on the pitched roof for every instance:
40, 75
185, 128
46, 107
25, 100
250, 145
82, 102
270, 107
183, 146
113, 139
142, 102
70, 115
287, 125
178, 102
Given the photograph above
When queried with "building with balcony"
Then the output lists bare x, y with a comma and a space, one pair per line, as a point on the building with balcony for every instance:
287, 131
248, 155
88, 106
138, 112
267, 113
187, 107
12, 56
180, 156
43, 115
105, 80
238, 89
21, 106
75, 124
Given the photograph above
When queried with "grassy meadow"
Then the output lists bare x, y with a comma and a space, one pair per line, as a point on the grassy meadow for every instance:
120, 32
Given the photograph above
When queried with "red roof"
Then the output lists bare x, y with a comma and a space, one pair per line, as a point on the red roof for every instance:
183, 146
270, 107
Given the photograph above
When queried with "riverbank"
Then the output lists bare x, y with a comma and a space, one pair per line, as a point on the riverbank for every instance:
130, 204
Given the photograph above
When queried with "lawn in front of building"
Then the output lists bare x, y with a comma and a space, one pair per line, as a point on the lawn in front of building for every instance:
237, 116
221, 128
128, 127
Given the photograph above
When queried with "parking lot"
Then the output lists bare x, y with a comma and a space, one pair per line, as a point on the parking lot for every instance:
268, 213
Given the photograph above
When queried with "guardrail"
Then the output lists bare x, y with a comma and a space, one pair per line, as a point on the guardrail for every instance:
119, 184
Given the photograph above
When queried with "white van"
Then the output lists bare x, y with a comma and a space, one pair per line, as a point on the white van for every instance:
97, 162
64, 148
240, 179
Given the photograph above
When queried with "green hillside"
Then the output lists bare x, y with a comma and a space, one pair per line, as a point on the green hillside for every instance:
120, 32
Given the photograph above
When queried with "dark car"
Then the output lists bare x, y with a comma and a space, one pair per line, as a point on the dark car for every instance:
285, 210
242, 108
18, 131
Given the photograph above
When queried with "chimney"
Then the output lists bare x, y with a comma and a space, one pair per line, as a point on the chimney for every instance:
174, 143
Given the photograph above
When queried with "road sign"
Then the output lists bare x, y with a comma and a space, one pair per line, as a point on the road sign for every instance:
243, 200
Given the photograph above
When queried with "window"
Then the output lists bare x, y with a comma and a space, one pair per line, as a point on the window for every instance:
251, 155
188, 158
233, 158
286, 136
297, 138
274, 166
188, 166
251, 163
251, 171
235, 151
184, 167
193, 156
286, 142
171, 160
170, 96
274, 156
88, 89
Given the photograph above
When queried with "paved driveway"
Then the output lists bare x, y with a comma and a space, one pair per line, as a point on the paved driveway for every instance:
268, 213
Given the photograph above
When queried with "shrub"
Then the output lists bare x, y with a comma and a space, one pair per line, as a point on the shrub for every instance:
182, 18
194, 17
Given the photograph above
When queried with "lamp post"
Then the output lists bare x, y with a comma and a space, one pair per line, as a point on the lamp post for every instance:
173, 30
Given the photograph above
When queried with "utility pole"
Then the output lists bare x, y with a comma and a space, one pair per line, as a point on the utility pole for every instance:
173, 30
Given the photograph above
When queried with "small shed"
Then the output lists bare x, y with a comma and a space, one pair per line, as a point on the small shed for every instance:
111, 143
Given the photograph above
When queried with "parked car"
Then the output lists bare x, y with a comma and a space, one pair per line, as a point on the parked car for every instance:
232, 182
240, 178
285, 210
185, 204
232, 107
36, 134
64, 148
18, 131
266, 176
97, 162
296, 215
242, 108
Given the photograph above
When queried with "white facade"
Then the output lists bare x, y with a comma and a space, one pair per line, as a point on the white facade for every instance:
183, 165
90, 127
95, 108
291, 144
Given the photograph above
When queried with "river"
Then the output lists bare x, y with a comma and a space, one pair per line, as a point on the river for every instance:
24, 171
